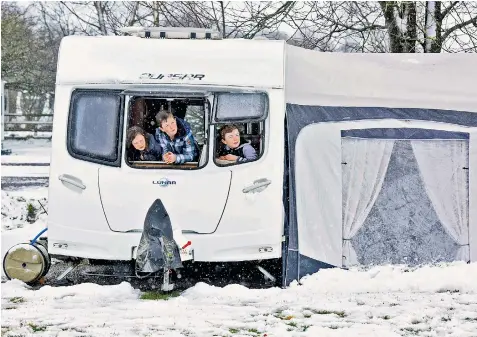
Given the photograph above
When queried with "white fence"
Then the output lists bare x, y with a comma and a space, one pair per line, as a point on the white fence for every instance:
30, 122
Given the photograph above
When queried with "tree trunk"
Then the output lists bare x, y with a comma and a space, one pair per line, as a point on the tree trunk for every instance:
436, 45
155, 13
223, 18
394, 32
12, 101
100, 12
401, 23
411, 34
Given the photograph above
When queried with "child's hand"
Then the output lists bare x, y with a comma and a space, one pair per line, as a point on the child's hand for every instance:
169, 158
231, 157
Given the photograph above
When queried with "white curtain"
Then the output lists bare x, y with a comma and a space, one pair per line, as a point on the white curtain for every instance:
444, 168
365, 162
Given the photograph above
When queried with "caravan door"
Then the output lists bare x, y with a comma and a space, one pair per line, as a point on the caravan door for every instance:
194, 195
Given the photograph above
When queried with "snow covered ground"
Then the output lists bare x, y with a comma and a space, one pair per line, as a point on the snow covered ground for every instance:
15, 206
27, 151
381, 301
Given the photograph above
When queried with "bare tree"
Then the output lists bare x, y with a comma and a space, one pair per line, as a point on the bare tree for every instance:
386, 26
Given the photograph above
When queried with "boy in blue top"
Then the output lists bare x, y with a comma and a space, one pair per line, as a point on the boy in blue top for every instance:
175, 138
231, 149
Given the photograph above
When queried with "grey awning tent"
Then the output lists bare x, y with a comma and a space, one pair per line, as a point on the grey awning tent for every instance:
381, 163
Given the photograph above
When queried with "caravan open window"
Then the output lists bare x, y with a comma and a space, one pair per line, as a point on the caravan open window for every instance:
188, 112
241, 106
239, 127
249, 146
94, 126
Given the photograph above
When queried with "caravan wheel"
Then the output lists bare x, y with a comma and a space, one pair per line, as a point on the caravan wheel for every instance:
27, 263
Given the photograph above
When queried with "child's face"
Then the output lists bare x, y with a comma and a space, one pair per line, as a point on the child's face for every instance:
169, 127
232, 139
139, 142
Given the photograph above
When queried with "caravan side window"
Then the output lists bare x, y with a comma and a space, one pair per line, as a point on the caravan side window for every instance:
239, 130
94, 126
238, 143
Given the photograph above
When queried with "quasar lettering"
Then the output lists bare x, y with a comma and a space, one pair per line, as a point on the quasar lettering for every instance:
152, 76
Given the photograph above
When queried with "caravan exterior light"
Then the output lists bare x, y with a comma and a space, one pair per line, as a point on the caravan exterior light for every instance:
172, 32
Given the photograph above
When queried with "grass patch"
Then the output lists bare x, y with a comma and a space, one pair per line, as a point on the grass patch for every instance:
334, 327
37, 328
233, 331
31, 213
451, 291
279, 314
17, 299
326, 312
415, 331
415, 321
386, 317
445, 319
393, 304
293, 324
9, 308
470, 319
158, 296
307, 315
305, 327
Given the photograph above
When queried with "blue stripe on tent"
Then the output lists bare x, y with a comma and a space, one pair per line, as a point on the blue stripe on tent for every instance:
318, 114
404, 133
307, 266
291, 271
286, 204
310, 266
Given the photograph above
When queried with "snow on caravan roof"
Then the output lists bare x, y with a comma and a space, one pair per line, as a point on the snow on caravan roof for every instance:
434, 81
125, 59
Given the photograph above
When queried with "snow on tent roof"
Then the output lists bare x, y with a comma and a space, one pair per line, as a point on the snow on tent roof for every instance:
122, 59
439, 81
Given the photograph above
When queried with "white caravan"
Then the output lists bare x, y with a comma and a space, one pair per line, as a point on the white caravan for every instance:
311, 118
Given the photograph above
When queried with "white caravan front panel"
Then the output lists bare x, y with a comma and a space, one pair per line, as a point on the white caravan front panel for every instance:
194, 199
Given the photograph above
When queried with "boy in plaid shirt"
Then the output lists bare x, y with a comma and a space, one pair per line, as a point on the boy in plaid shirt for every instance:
176, 139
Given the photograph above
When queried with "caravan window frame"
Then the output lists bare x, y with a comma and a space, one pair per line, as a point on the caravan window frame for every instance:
217, 123
240, 119
71, 132
260, 153
160, 165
